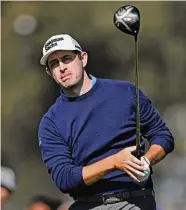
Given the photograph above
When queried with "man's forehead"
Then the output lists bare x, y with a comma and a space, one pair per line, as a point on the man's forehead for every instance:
59, 53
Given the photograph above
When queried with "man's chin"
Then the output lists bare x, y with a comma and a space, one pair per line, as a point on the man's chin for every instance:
67, 85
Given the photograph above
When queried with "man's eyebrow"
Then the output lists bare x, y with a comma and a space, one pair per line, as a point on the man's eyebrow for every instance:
54, 60
66, 55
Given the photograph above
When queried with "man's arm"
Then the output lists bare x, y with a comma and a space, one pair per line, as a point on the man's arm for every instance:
155, 131
96, 171
155, 154
57, 157
66, 175
122, 160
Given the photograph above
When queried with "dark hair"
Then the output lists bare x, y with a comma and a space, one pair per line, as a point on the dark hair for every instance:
52, 203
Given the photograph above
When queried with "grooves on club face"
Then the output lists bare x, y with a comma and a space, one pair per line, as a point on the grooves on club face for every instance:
127, 20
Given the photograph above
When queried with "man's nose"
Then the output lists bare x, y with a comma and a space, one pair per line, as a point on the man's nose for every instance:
62, 66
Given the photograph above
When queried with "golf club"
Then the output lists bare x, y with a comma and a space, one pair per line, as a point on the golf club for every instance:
127, 20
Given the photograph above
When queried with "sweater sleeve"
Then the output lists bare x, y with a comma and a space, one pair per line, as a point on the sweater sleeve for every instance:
57, 157
153, 128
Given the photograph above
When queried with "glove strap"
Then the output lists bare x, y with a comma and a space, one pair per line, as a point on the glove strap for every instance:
146, 160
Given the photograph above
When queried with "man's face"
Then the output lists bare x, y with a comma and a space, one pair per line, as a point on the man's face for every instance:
5, 194
67, 67
38, 206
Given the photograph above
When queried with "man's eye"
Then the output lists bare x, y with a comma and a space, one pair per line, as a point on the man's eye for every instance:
54, 64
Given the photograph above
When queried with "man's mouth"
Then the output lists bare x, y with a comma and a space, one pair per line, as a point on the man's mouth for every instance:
65, 76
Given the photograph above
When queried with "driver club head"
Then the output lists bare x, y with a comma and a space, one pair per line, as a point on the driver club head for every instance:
127, 20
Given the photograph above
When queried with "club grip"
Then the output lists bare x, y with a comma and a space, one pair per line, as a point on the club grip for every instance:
138, 153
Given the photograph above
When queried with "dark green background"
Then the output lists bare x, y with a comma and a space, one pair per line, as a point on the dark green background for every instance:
27, 92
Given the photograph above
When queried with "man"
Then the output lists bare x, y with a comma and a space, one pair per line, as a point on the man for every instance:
41, 202
8, 184
87, 137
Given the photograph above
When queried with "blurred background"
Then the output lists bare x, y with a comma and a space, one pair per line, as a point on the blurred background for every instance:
27, 91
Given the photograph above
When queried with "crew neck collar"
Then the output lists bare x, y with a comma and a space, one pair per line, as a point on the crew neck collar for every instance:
76, 98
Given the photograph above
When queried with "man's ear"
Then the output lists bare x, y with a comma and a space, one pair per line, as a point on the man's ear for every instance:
84, 57
48, 72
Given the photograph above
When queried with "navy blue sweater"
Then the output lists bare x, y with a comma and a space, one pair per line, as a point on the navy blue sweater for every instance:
79, 131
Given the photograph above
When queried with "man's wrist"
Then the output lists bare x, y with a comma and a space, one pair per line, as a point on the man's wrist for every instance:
111, 161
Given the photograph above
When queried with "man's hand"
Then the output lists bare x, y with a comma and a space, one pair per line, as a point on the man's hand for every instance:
127, 162
123, 160
146, 164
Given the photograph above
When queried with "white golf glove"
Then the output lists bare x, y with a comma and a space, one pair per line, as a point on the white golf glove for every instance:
146, 163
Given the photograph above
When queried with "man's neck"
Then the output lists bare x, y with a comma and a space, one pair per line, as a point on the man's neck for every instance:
83, 87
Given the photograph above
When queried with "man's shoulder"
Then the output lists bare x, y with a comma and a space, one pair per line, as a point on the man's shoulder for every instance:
117, 83
52, 111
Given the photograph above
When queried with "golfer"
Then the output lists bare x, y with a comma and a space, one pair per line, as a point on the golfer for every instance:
87, 137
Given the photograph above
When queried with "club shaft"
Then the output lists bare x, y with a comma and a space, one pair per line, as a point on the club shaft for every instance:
137, 100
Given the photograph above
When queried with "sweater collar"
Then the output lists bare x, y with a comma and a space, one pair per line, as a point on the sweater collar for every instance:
95, 83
